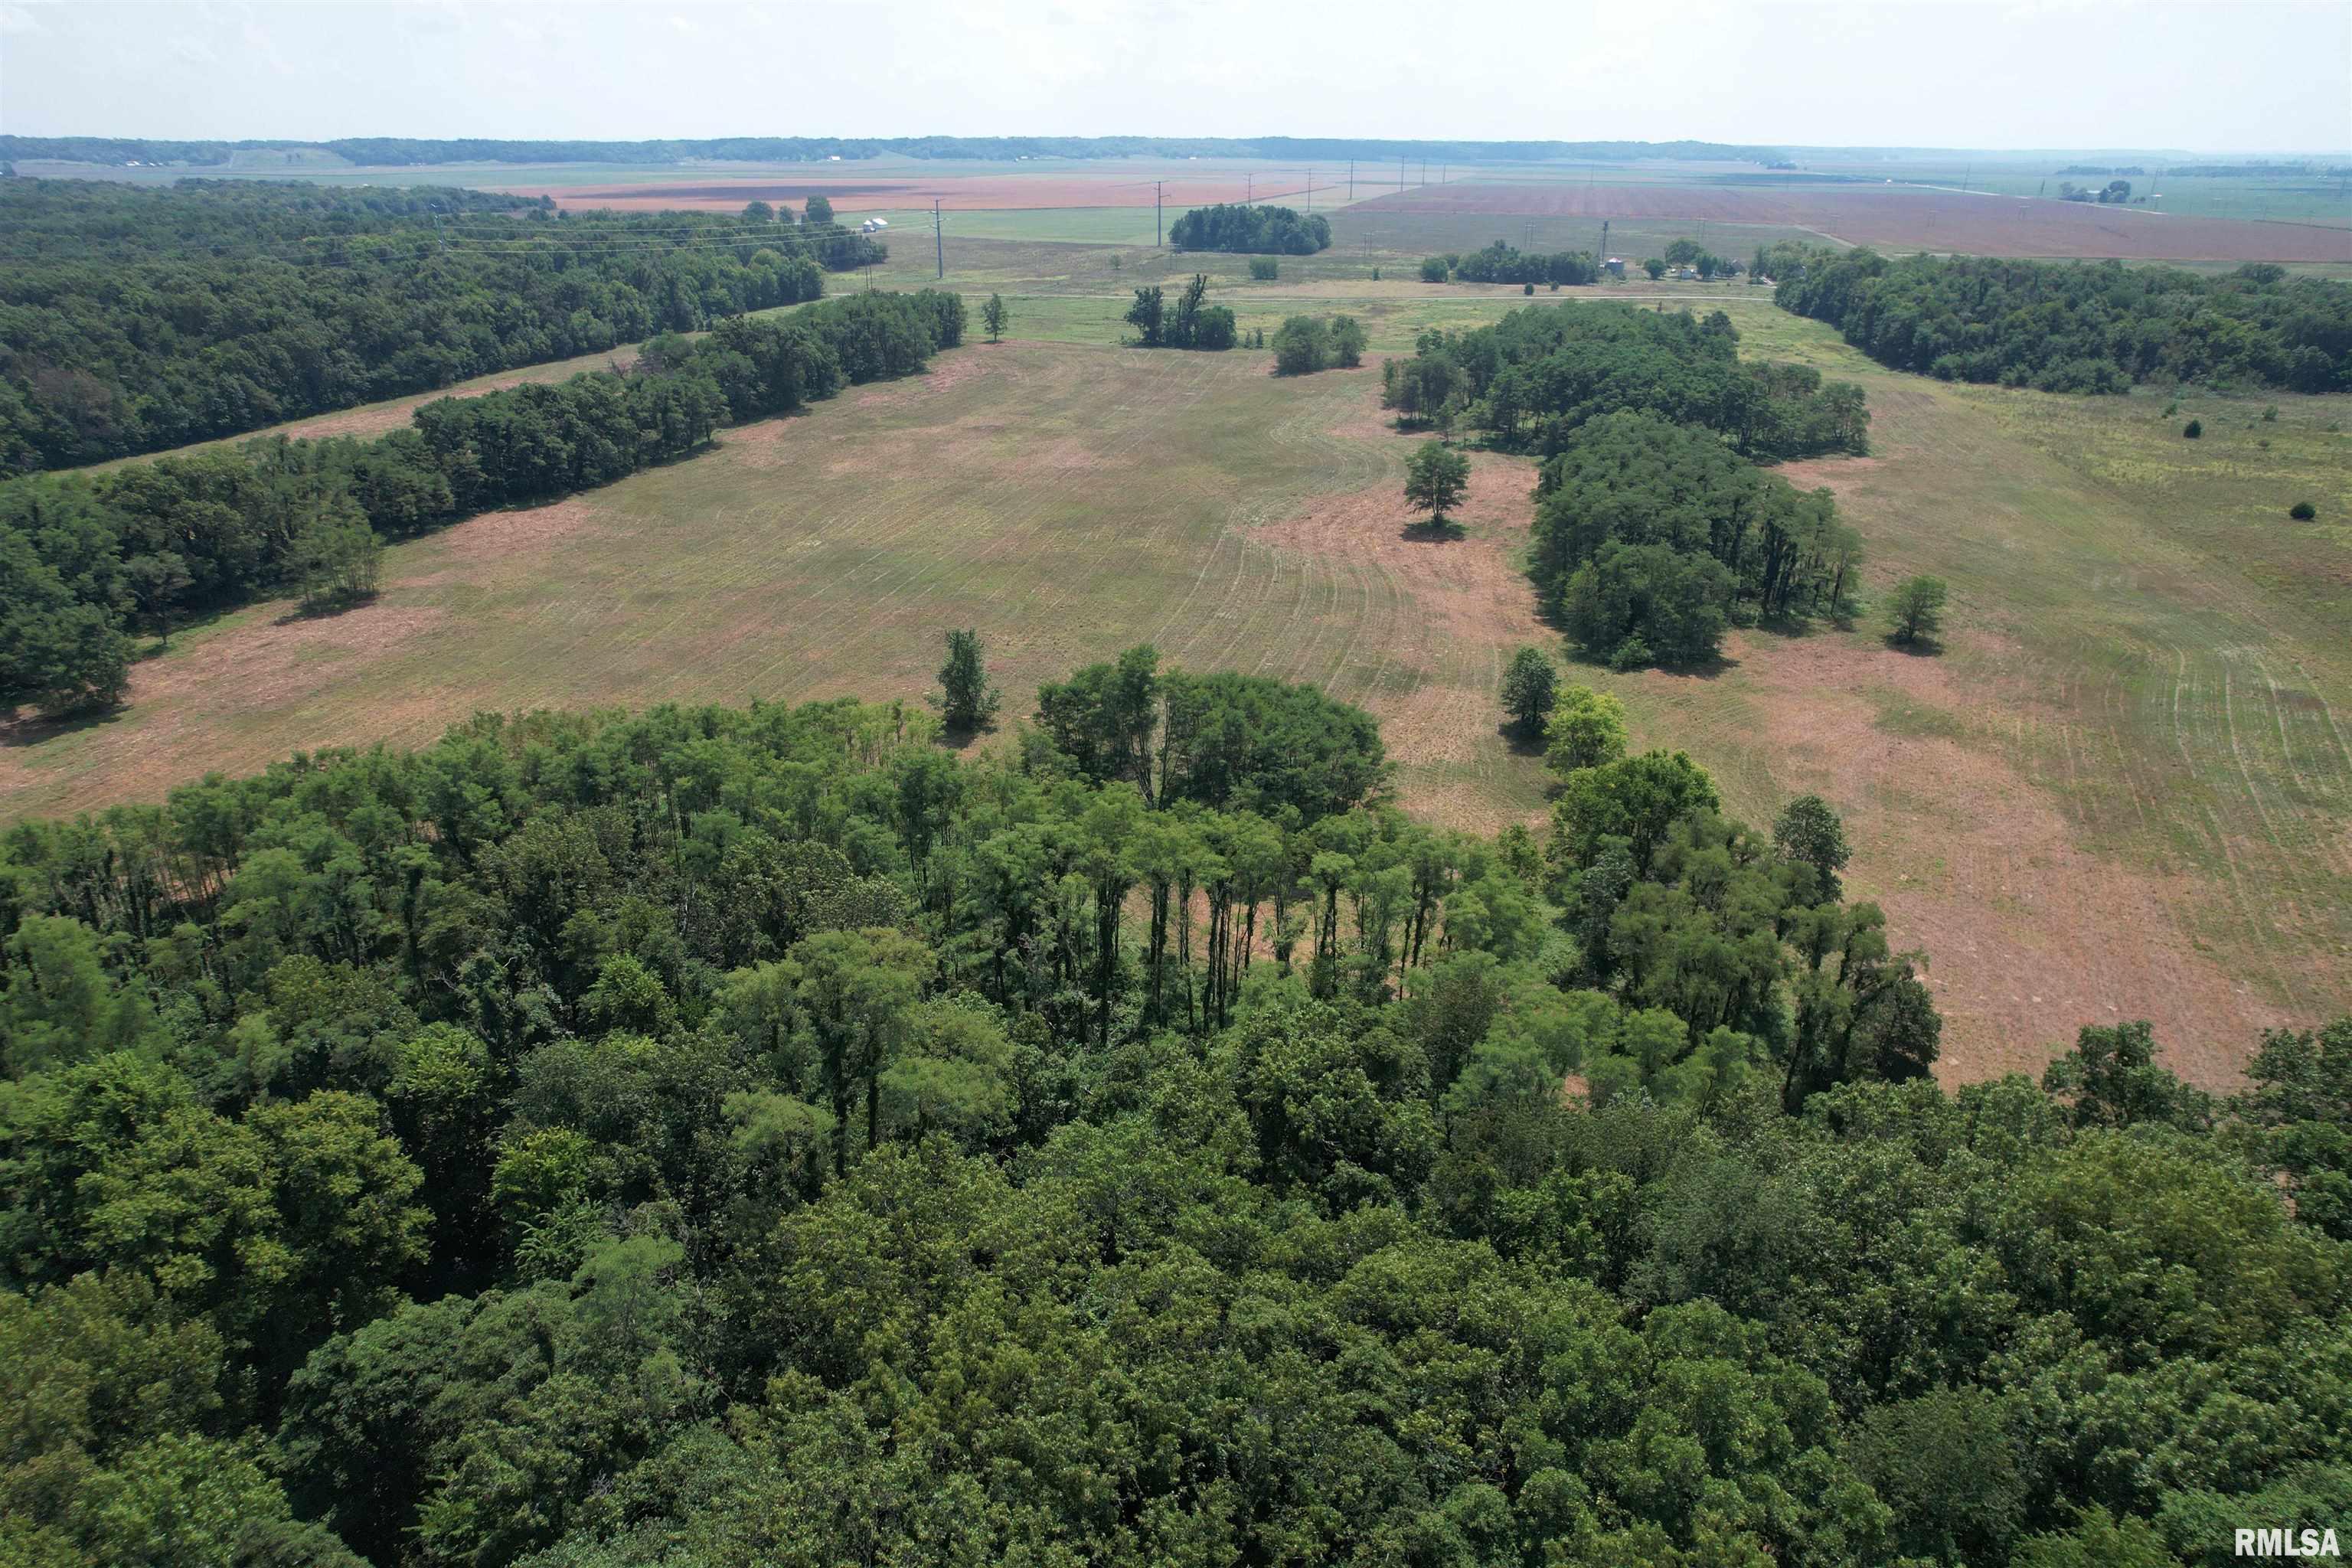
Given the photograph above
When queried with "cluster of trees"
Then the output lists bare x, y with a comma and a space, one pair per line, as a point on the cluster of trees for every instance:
89, 559
1699, 259
2081, 326
1500, 263
1305, 344
135, 319
1532, 379
2114, 192
1264, 230
739, 1136
1191, 323
1650, 538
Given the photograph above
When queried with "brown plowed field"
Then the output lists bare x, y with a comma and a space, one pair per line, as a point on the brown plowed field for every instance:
1898, 217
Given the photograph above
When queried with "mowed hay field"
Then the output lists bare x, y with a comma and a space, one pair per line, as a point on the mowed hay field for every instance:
2123, 788
1067, 500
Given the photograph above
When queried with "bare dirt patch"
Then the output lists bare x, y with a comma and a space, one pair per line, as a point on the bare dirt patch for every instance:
950, 371
497, 535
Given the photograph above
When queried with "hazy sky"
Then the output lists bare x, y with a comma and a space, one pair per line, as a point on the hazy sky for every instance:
2236, 77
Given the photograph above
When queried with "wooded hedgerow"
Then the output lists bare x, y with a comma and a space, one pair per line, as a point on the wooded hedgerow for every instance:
91, 558
134, 320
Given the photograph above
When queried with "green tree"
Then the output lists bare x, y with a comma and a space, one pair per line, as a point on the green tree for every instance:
1347, 341
1915, 609
1586, 729
1655, 267
58, 1004
1147, 316
1809, 832
967, 701
817, 210
336, 559
1264, 268
993, 316
1530, 689
1436, 479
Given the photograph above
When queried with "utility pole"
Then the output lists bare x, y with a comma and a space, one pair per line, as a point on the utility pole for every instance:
1424, 171
1351, 182
1441, 169
1249, 190
437, 224
1310, 190
1400, 176
939, 238
1159, 236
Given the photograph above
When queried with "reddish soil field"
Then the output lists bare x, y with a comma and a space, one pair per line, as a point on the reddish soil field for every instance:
1901, 217
999, 193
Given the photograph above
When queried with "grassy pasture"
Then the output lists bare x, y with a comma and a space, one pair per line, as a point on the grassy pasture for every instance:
2123, 787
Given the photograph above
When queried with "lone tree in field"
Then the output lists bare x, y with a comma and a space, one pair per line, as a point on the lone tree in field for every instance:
1916, 608
967, 702
994, 315
818, 210
1530, 689
1435, 481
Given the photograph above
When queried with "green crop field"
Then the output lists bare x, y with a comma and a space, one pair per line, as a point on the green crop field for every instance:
2127, 775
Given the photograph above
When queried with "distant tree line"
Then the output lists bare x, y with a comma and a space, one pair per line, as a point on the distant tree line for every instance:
2114, 193
133, 320
2135, 171
1651, 537
1499, 263
2081, 326
88, 559
1530, 380
396, 151
1262, 230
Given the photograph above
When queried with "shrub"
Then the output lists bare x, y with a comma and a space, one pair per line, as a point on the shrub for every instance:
1264, 268
1433, 270
1632, 653
2303, 511
2193, 429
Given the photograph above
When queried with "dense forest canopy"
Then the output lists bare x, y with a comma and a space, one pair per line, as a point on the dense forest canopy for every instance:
399, 150
133, 320
1266, 230
2080, 326
90, 559
1530, 380
734, 1137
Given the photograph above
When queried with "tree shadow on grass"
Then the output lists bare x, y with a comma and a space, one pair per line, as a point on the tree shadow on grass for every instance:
31, 729
1921, 646
1521, 740
328, 610
1442, 530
